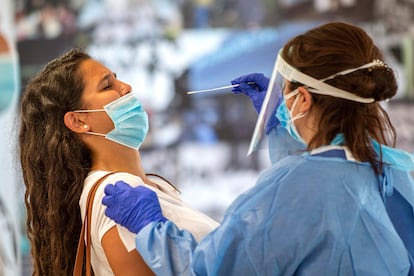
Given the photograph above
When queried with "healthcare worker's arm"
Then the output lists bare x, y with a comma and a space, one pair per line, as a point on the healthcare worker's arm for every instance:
234, 248
164, 247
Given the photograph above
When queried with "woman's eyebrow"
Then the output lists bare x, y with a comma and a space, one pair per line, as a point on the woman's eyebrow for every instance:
105, 79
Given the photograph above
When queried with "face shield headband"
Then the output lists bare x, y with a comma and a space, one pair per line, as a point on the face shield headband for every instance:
319, 86
284, 71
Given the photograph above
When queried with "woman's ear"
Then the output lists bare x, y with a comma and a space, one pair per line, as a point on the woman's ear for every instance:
74, 122
306, 101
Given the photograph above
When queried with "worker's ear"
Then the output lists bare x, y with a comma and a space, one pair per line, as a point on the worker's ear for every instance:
305, 100
75, 122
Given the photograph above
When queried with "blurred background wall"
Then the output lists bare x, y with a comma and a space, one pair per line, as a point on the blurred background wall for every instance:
164, 48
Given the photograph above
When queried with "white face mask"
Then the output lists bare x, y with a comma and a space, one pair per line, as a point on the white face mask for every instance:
8, 80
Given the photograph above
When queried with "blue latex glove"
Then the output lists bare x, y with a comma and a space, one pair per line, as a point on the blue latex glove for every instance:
256, 91
133, 208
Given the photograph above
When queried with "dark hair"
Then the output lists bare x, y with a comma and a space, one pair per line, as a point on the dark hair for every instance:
329, 49
54, 163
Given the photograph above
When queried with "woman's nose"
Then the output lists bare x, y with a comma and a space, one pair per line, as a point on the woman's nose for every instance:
124, 88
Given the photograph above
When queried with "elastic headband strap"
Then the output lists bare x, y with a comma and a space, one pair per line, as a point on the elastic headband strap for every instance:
375, 63
318, 86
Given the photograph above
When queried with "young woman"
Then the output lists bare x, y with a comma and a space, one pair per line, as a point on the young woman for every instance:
342, 206
79, 123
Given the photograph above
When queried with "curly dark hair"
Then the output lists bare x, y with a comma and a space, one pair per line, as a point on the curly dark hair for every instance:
332, 48
54, 163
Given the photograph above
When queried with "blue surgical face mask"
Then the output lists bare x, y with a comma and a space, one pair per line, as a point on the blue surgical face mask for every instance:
129, 118
284, 115
8, 80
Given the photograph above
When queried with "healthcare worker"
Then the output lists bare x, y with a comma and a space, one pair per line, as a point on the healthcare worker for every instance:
323, 211
10, 263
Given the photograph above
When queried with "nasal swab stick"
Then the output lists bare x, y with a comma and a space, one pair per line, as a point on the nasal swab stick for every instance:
215, 89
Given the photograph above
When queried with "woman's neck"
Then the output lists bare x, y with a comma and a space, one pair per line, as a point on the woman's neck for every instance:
121, 159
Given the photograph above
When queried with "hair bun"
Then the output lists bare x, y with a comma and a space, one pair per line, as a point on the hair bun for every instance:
385, 84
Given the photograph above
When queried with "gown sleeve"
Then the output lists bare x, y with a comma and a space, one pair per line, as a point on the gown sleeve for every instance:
170, 251
166, 249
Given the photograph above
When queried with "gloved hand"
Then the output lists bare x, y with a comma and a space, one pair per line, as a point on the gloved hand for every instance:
133, 208
256, 91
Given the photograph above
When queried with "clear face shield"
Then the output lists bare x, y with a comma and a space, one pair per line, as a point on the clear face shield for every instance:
273, 95
282, 72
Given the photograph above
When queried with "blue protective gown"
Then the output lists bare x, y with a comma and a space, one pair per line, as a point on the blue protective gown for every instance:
307, 215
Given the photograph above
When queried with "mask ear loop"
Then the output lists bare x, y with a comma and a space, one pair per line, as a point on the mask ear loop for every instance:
292, 120
300, 115
95, 133
292, 94
86, 126
88, 110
